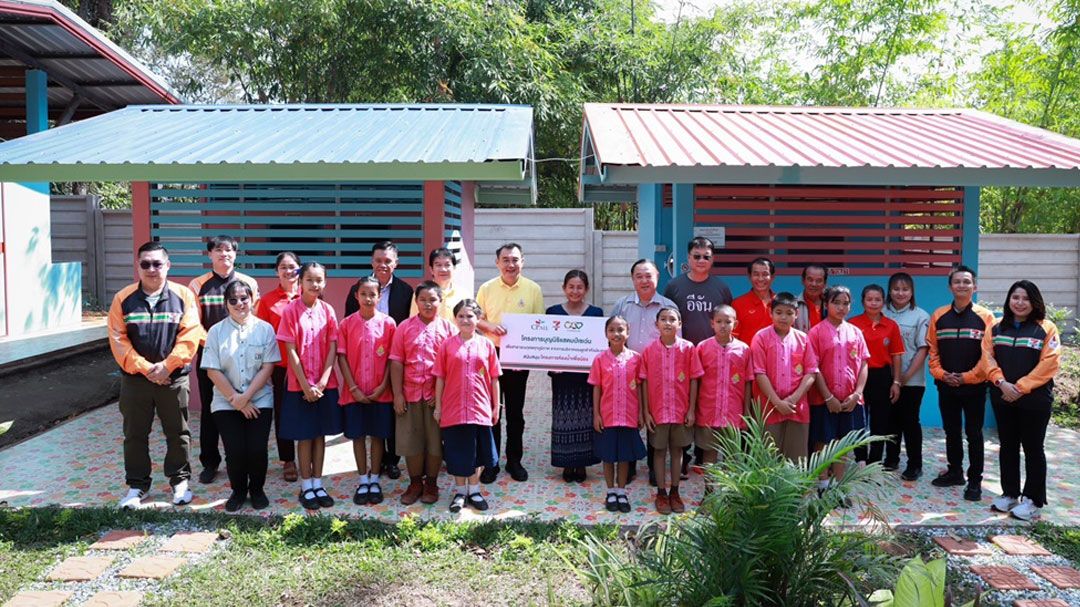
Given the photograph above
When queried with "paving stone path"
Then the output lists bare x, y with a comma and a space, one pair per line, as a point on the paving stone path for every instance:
118, 569
1014, 567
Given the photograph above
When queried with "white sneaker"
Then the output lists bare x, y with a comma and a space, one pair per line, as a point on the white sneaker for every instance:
1026, 510
1004, 504
132, 500
181, 494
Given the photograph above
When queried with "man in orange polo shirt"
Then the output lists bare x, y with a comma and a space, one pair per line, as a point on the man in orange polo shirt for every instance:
752, 308
814, 279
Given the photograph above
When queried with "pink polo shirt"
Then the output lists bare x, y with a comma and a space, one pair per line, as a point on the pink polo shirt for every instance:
785, 361
415, 346
311, 330
723, 387
617, 377
366, 346
668, 372
840, 352
468, 369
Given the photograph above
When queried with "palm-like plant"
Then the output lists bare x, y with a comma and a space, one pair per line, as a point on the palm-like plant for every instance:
760, 538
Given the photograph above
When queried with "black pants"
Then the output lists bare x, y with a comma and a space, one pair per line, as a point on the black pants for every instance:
1022, 424
286, 448
140, 400
512, 384
209, 456
390, 456
245, 448
963, 409
904, 425
876, 396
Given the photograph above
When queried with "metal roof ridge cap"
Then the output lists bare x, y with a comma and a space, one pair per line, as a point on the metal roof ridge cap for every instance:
793, 109
335, 106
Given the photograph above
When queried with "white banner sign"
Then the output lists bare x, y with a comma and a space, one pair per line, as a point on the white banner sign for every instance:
548, 342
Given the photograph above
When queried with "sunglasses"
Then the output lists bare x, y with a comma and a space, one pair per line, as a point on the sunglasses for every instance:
235, 301
146, 265
699, 257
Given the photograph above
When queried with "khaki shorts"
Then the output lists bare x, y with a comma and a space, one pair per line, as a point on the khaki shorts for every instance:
667, 436
791, 438
417, 432
705, 438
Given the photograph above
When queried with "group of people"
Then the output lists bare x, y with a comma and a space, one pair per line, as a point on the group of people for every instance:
414, 373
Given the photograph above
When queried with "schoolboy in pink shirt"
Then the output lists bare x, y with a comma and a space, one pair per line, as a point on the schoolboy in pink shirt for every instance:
617, 411
724, 392
412, 361
842, 366
363, 348
670, 370
467, 404
784, 367
310, 411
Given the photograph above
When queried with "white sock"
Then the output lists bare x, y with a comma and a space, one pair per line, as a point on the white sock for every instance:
364, 479
823, 483
305, 484
316, 483
462, 489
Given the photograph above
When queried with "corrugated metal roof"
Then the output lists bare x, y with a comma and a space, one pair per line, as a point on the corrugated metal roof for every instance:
764, 144
280, 143
44, 34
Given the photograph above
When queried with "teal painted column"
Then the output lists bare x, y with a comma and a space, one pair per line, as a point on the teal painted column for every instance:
682, 221
969, 253
37, 101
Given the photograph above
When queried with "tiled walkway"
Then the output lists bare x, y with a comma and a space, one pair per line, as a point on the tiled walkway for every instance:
80, 463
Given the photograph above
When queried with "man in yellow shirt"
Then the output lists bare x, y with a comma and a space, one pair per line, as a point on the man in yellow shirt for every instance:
509, 293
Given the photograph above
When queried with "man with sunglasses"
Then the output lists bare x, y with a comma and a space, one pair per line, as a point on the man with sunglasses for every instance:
154, 331
209, 291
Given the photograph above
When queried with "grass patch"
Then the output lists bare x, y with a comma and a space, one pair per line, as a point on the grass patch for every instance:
1061, 540
319, 560
1067, 389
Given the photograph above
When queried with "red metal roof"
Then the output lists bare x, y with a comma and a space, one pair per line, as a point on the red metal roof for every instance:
623, 137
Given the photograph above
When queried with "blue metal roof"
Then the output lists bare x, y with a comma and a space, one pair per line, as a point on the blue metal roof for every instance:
281, 143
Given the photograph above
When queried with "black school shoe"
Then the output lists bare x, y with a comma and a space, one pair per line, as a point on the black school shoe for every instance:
235, 501
911, 474
375, 495
612, 502
391, 471
890, 466
259, 499
308, 499
207, 475
623, 503
949, 479
489, 475
973, 492
457, 502
324, 499
518, 472
361, 497
478, 502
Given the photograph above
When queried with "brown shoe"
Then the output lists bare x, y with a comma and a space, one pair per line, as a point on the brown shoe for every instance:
677, 505
431, 491
663, 503
289, 472
412, 493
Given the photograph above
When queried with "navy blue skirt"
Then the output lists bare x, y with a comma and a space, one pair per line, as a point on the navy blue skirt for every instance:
619, 445
467, 447
826, 426
301, 420
369, 419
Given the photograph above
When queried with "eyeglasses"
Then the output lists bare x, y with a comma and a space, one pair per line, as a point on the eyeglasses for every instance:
699, 256
146, 265
235, 301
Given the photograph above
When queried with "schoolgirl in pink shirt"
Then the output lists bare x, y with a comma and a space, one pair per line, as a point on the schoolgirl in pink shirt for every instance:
467, 404
616, 411
724, 393
363, 353
310, 411
412, 361
670, 370
842, 366
784, 367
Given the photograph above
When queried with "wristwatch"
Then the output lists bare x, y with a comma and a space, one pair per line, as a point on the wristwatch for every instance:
896, 382
999, 382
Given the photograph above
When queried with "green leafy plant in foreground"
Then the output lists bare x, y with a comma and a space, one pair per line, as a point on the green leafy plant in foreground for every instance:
759, 539
919, 585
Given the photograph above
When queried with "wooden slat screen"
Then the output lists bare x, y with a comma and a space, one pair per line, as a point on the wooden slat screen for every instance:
852, 230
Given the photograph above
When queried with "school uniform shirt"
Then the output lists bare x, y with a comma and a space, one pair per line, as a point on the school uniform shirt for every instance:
416, 346
1024, 354
239, 351
141, 334
807, 315
785, 361
882, 338
270, 308
722, 392
753, 315
617, 377
956, 345
468, 369
311, 330
841, 352
366, 346
668, 371
450, 298
641, 318
914, 323
497, 298
209, 290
